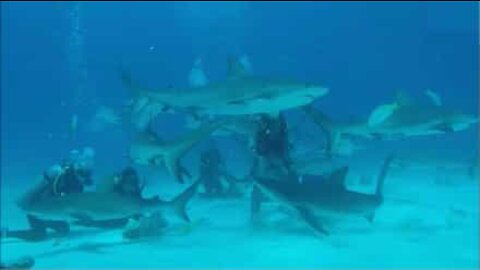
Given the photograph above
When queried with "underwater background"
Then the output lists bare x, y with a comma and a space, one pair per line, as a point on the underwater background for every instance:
61, 60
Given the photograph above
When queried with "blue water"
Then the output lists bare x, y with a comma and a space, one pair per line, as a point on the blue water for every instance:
363, 52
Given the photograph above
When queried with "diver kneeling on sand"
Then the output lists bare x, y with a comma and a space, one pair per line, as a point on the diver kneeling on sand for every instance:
72, 176
211, 172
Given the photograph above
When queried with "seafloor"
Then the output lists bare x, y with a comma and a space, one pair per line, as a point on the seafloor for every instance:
422, 224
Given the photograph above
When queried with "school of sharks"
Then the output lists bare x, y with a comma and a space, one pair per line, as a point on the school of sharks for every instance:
251, 110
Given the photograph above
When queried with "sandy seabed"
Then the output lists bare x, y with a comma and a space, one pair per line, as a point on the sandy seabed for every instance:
420, 225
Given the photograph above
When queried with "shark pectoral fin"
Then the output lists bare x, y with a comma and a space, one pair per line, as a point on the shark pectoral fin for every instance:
179, 203
312, 221
444, 127
381, 113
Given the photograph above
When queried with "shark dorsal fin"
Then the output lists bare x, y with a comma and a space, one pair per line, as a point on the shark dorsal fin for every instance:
337, 178
197, 77
236, 69
402, 98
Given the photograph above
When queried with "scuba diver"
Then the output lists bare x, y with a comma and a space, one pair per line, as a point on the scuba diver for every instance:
128, 183
272, 155
212, 170
72, 176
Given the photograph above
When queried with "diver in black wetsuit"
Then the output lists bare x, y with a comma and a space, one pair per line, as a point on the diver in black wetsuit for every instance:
212, 171
272, 160
72, 177
128, 183
271, 143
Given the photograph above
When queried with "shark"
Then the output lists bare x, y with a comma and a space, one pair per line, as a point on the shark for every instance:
149, 149
316, 201
414, 120
240, 93
103, 204
337, 134
403, 118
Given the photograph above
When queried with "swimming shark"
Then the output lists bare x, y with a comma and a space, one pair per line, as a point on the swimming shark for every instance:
403, 118
414, 120
239, 94
100, 205
317, 201
149, 149
337, 133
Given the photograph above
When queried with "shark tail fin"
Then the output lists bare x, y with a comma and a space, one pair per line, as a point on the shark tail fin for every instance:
172, 158
326, 125
141, 109
382, 176
180, 202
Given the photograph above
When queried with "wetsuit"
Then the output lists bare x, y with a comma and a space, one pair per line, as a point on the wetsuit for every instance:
68, 182
272, 155
210, 172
